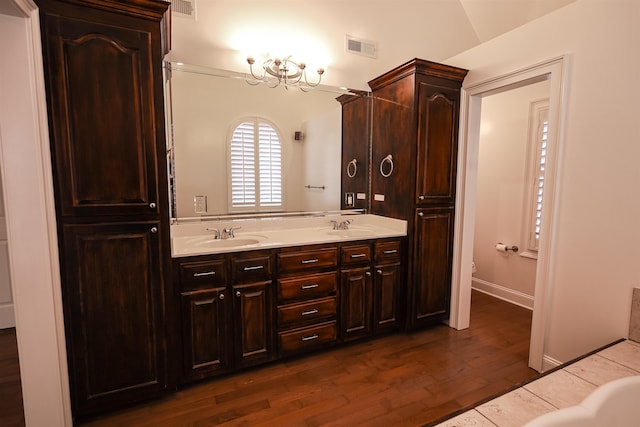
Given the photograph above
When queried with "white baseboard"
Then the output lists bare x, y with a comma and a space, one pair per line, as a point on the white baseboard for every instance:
7, 317
549, 363
500, 292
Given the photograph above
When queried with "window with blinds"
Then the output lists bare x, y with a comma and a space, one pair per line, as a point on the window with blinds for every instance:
256, 166
540, 136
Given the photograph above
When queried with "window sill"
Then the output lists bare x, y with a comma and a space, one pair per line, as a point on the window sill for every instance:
529, 254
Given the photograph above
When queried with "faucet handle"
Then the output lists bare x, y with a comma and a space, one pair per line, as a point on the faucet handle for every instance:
335, 224
344, 225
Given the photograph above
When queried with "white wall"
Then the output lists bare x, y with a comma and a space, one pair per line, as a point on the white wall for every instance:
501, 191
595, 247
204, 110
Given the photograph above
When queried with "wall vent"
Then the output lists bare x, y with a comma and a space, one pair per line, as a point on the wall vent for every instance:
184, 8
361, 46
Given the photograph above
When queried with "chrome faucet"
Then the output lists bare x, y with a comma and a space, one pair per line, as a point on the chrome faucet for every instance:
343, 225
216, 233
227, 233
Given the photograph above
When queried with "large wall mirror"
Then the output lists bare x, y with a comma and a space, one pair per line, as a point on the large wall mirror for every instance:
207, 108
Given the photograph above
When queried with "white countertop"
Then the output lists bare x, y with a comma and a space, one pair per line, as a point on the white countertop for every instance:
265, 233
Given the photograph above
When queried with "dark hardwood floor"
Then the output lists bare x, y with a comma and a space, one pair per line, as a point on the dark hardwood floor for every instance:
397, 380
11, 413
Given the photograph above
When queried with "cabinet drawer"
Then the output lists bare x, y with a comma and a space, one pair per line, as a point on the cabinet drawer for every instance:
356, 254
251, 268
387, 251
303, 260
305, 287
203, 273
307, 338
307, 311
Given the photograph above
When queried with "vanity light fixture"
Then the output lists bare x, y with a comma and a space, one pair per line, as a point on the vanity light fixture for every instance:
285, 72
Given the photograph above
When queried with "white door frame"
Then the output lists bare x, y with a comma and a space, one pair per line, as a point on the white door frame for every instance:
25, 164
555, 70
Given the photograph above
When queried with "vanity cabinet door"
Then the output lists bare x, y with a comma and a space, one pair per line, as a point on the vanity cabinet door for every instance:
355, 303
204, 333
253, 320
112, 292
386, 290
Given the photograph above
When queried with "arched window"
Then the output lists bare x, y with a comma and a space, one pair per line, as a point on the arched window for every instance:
256, 166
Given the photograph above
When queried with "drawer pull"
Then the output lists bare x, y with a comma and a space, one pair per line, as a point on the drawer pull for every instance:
390, 251
358, 255
256, 267
309, 261
311, 286
310, 337
308, 313
379, 272
204, 273
204, 302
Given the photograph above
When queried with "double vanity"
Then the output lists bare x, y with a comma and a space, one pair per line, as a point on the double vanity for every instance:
256, 290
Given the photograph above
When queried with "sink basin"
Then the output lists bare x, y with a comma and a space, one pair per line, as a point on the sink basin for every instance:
227, 243
350, 233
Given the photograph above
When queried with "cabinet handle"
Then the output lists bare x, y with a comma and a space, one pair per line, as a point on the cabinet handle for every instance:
238, 294
358, 255
390, 251
420, 213
311, 286
208, 301
154, 230
204, 273
309, 312
379, 272
152, 205
311, 337
368, 273
257, 267
309, 261
221, 296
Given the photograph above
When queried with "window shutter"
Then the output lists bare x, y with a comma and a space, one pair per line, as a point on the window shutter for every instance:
541, 160
270, 156
243, 167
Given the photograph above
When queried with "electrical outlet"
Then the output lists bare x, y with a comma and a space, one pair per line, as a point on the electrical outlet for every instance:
200, 204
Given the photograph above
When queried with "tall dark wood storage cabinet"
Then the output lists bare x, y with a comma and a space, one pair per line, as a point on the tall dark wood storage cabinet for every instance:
103, 75
413, 164
356, 116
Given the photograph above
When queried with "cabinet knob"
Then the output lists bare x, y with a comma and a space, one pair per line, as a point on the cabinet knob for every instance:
154, 230
238, 294
421, 197
368, 273
379, 272
152, 205
420, 213
221, 296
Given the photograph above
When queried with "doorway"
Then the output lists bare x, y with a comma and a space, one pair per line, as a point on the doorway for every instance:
473, 92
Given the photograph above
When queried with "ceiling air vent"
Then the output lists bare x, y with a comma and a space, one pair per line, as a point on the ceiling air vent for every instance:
361, 46
184, 8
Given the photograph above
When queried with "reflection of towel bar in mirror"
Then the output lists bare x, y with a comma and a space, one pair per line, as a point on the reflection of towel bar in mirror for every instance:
322, 187
353, 163
388, 159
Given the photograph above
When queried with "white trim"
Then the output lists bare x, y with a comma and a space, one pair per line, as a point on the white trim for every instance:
550, 363
509, 295
555, 70
32, 237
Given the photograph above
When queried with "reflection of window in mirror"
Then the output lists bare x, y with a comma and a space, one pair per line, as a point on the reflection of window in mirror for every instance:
255, 166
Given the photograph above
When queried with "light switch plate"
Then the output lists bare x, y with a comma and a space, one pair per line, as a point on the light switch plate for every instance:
200, 204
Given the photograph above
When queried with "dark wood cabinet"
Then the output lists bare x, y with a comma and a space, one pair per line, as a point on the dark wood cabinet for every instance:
431, 289
356, 114
355, 303
414, 155
103, 76
388, 286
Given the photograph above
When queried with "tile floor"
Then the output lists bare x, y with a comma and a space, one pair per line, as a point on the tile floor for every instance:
562, 388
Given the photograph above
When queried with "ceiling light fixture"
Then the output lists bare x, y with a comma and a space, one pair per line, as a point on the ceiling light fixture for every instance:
285, 72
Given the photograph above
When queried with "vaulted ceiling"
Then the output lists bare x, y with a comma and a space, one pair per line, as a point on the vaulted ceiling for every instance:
226, 31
